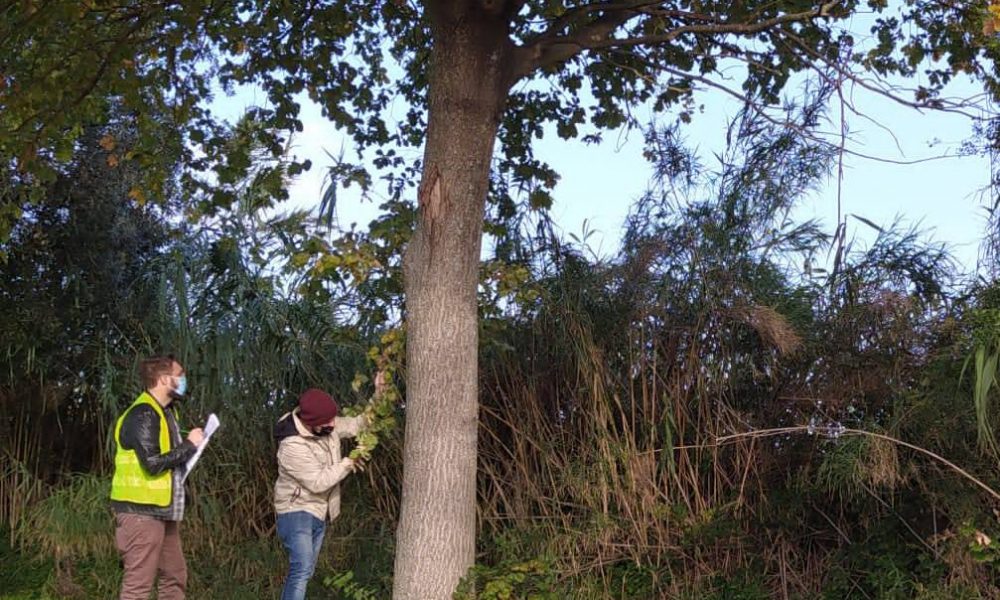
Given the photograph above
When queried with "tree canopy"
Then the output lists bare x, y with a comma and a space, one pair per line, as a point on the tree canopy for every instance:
366, 63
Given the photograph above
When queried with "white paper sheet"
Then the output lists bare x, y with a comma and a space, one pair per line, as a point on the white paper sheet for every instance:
210, 426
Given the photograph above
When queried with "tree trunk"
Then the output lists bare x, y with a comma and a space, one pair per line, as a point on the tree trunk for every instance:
468, 86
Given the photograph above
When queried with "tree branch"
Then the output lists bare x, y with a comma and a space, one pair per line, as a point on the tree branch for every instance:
574, 15
754, 106
547, 50
549, 47
937, 104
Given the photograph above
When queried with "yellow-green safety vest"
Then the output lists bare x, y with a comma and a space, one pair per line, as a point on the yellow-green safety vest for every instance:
131, 483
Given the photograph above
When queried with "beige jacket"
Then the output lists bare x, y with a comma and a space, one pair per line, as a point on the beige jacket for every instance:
310, 468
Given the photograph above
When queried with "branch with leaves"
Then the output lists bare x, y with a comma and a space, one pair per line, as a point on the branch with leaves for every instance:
380, 412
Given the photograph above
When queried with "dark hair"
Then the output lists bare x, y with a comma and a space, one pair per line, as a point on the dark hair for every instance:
154, 367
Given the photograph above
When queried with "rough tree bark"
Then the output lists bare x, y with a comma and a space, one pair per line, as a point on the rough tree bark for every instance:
468, 84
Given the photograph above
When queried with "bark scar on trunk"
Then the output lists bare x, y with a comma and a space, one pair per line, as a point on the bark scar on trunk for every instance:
431, 198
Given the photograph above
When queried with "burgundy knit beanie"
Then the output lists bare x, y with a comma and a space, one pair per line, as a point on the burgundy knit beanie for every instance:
316, 408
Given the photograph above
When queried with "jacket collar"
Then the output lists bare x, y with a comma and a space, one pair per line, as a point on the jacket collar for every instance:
300, 426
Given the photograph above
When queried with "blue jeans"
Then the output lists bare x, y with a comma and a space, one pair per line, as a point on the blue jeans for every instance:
302, 535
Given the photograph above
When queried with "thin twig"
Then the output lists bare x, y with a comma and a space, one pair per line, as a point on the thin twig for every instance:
729, 439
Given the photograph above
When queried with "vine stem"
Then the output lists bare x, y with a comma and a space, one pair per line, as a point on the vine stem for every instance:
757, 433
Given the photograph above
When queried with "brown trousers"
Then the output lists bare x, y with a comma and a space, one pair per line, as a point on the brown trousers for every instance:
149, 547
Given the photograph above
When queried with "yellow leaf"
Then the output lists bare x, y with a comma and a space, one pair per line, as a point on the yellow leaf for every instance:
299, 259
108, 142
112, 160
136, 194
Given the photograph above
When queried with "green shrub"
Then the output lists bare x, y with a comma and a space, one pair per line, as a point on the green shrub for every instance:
530, 580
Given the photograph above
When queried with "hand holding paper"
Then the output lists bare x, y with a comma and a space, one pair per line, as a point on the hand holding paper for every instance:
210, 427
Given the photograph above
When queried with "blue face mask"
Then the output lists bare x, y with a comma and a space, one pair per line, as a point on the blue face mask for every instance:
182, 385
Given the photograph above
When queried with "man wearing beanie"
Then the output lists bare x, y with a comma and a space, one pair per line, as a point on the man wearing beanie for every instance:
307, 492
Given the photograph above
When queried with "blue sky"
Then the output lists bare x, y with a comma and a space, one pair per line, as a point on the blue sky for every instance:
599, 182
942, 197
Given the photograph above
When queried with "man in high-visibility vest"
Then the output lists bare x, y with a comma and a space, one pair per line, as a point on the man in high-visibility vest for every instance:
147, 491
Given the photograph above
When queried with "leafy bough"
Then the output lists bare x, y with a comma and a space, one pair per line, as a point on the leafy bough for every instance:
380, 412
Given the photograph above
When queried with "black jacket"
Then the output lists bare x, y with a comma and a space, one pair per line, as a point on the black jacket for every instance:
141, 432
